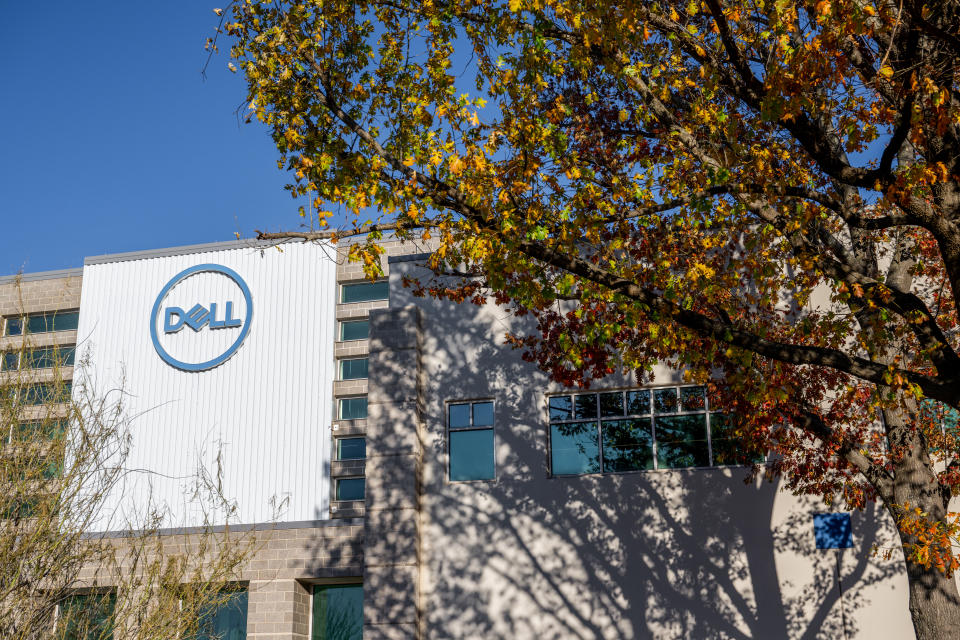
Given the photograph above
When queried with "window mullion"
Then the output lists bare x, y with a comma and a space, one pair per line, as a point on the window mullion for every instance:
599, 434
653, 436
706, 408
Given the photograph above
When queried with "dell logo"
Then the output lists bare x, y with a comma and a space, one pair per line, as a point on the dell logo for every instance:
228, 321
197, 317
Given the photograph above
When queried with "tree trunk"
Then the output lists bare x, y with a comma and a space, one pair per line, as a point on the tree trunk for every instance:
934, 603
934, 598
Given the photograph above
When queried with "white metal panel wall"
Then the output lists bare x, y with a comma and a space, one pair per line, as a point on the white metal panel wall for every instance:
265, 411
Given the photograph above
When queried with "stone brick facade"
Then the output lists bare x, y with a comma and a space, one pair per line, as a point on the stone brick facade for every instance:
392, 607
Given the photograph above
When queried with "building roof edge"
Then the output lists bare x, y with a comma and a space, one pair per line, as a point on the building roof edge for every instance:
42, 275
182, 250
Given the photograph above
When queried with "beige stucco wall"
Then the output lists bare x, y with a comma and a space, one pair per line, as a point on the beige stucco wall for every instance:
660, 554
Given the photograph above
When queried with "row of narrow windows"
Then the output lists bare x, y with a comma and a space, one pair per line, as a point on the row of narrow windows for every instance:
41, 323
605, 432
336, 614
596, 432
51, 357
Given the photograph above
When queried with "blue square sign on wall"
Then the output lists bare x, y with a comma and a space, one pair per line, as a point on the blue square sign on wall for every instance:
832, 530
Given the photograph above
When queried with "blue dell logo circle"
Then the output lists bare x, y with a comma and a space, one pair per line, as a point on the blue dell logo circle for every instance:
198, 320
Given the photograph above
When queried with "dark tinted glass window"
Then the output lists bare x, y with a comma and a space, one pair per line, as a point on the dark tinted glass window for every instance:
471, 454
483, 414
10, 361
665, 400
611, 404
14, 327
638, 402
49, 357
354, 330
86, 616
459, 416
365, 291
585, 405
353, 408
682, 441
350, 488
627, 445
574, 449
471, 443
47, 322
34, 430
351, 448
227, 620
561, 408
353, 369
727, 447
337, 612
693, 399
44, 392
639, 429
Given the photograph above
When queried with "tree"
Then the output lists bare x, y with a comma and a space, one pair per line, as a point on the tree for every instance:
69, 568
764, 189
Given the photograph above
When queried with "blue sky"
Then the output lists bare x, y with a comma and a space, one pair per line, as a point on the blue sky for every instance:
112, 141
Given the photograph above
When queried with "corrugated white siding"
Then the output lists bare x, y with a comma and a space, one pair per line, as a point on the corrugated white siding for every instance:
266, 410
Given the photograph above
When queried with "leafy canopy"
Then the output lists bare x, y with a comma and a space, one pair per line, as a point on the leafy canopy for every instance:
763, 189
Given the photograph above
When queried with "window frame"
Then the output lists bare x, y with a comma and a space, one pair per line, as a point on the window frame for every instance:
346, 321
446, 418
339, 439
328, 584
336, 489
652, 415
52, 349
340, 363
339, 406
343, 286
86, 593
241, 586
25, 317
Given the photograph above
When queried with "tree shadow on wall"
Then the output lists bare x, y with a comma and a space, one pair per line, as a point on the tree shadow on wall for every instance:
636, 557
674, 554
695, 554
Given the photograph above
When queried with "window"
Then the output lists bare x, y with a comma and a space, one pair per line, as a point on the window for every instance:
354, 330
45, 392
470, 427
337, 612
10, 361
87, 616
947, 419
352, 408
225, 620
36, 430
39, 358
351, 448
350, 489
353, 368
12, 508
640, 429
365, 291
42, 323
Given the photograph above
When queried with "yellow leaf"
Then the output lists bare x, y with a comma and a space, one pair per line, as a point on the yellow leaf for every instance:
886, 72
514, 5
